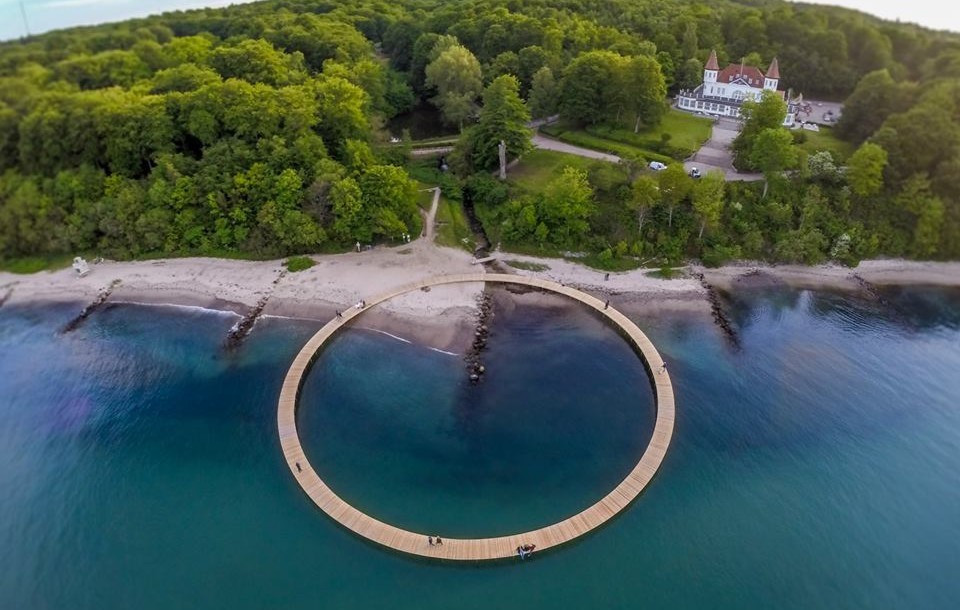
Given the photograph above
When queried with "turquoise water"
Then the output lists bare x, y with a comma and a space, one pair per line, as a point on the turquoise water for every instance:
401, 431
815, 467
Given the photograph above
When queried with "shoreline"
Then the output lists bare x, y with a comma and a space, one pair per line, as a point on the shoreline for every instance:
879, 272
443, 318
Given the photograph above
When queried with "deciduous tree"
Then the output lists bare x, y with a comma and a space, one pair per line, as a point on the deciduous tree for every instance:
707, 198
766, 113
566, 206
455, 74
675, 186
644, 194
865, 169
773, 152
503, 117
543, 101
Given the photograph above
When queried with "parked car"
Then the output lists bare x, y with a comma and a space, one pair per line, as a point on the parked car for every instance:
694, 172
657, 166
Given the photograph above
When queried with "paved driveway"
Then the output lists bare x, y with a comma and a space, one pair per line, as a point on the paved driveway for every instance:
546, 143
539, 141
715, 154
716, 151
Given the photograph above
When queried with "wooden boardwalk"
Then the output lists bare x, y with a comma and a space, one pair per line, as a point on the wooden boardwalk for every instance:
476, 549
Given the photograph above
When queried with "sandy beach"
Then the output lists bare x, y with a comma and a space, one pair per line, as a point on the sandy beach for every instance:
441, 318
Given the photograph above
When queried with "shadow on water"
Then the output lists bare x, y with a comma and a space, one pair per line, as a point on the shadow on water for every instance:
424, 121
925, 307
907, 308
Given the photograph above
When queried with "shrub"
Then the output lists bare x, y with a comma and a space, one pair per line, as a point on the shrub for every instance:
299, 263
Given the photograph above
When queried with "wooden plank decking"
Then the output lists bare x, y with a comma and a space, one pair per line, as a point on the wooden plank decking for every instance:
477, 549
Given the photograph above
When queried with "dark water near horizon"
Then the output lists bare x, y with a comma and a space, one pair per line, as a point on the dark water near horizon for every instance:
815, 467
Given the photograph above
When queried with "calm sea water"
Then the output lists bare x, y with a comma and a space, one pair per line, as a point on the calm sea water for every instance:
815, 467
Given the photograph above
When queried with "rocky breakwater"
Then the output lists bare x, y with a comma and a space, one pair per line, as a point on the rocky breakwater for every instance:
720, 317
239, 331
473, 360
97, 303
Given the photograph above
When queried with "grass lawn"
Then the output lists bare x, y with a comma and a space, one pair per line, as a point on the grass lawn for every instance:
665, 273
424, 171
540, 166
453, 230
527, 266
34, 264
424, 197
825, 140
687, 133
435, 142
602, 143
594, 261
685, 129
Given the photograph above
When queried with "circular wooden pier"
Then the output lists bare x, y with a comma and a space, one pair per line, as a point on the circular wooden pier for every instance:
476, 549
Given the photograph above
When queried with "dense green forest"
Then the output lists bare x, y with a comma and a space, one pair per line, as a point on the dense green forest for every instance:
258, 130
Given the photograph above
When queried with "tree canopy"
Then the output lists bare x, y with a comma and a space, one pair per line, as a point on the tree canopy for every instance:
257, 129
504, 117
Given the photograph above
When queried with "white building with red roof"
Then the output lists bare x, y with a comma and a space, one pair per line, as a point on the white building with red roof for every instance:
724, 91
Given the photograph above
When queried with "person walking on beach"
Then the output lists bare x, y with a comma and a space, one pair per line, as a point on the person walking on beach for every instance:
430, 540
358, 246
663, 368
607, 304
298, 467
339, 315
606, 277
439, 541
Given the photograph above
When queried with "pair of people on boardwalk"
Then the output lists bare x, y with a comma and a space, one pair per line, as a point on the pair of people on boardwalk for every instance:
434, 541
